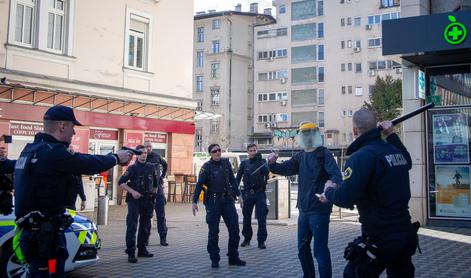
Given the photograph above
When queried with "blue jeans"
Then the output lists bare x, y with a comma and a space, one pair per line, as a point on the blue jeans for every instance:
314, 225
259, 201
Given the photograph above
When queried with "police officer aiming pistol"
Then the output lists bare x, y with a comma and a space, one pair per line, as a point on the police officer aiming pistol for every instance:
376, 180
219, 199
43, 175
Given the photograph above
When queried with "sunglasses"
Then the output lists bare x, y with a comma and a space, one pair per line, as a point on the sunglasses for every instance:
216, 151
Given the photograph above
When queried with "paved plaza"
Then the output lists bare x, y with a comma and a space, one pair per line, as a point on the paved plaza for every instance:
446, 251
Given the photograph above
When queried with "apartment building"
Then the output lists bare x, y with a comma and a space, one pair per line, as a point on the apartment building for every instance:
318, 63
223, 75
116, 62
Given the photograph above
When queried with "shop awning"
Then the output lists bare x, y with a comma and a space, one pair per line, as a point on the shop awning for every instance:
22, 94
203, 115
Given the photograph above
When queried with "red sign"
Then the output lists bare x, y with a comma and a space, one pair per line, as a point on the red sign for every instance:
80, 140
103, 134
133, 139
155, 137
25, 129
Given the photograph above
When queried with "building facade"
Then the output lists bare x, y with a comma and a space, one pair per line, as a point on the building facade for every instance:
223, 72
318, 63
119, 70
434, 43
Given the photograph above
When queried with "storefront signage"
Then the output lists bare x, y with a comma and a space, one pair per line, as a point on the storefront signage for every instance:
438, 32
452, 184
25, 129
80, 140
155, 137
133, 139
450, 138
103, 134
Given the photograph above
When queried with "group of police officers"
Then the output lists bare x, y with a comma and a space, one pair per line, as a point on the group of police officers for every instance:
375, 180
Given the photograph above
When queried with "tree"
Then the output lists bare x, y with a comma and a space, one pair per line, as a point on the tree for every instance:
386, 98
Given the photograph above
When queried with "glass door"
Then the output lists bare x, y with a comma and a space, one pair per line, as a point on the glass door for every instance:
106, 181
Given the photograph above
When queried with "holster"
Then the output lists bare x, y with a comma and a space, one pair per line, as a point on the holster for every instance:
361, 252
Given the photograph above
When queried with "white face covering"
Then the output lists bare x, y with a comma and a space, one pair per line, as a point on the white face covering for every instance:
309, 139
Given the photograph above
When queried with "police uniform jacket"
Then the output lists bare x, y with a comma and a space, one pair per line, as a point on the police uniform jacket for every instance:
376, 179
218, 178
253, 181
141, 176
44, 171
313, 170
156, 159
7, 166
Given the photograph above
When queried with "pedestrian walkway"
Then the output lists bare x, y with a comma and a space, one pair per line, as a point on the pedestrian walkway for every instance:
446, 251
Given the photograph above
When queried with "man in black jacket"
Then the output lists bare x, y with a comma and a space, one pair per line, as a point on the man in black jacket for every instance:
254, 173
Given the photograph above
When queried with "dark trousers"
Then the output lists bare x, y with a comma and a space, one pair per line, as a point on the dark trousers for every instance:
139, 211
259, 201
395, 251
160, 203
215, 208
39, 267
314, 225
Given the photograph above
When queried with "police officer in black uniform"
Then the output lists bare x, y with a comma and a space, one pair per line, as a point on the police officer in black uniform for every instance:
7, 167
140, 204
376, 180
254, 173
160, 200
42, 178
219, 199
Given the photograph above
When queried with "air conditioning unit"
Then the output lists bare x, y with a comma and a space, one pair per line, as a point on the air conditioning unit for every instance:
368, 26
357, 49
398, 70
273, 125
283, 103
371, 73
267, 125
283, 80
271, 59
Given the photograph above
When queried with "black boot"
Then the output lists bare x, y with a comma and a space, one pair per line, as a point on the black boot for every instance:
163, 241
132, 258
237, 261
214, 264
245, 243
261, 245
144, 253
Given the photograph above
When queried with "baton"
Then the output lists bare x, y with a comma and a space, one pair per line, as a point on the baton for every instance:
410, 114
256, 170
134, 151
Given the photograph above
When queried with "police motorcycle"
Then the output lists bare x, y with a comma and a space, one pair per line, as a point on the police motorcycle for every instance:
82, 238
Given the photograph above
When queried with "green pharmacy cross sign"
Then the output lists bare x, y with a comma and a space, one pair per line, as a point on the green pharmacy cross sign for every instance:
455, 32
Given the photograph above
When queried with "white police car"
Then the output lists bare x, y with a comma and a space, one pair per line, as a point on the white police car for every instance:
82, 244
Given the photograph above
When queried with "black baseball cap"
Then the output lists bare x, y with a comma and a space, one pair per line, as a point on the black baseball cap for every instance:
61, 113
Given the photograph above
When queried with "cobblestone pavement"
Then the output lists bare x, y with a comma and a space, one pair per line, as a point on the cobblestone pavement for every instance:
446, 251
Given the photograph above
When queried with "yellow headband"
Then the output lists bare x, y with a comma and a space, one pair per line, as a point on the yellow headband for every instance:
307, 126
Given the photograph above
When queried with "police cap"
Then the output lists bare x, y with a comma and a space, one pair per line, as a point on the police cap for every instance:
61, 113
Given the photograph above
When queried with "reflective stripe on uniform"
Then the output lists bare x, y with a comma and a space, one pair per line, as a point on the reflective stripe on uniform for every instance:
16, 245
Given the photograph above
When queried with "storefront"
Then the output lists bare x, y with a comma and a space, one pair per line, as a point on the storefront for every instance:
436, 53
107, 127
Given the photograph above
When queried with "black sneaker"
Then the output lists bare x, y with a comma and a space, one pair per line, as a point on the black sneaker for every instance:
145, 254
237, 261
214, 264
132, 259
245, 243
261, 245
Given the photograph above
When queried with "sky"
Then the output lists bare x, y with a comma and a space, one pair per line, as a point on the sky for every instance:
224, 5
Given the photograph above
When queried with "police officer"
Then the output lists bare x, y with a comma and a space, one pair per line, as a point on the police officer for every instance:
160, 200
219, 199
376, 180
314, 166
7, 166
42, 177
140, 204
254, 173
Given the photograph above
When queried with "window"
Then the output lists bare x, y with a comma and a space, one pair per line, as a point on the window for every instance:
321, 97
321, 74
320, 120
282, 52
215, 46
137, 41
55, 29
349, 43
343, 90
370, 90
199, 83
298, 117
303, 9
358, 43
214, 70
320, 30
282, 9
357, 21
349, 21
350, 90
200, 34
320, 7
303, 53
281, 118
349, 66
25, 22
199, 105
198, 139
215, 96
199, 59
214, 127
303, 97
358, 91
342, 44
378, 18
272, 75
350, 114
216, 23
381, 65
342, 67
320, 52
272, 33
304, 75
390, 3
358, 67
342, 21
374, 42
303, 32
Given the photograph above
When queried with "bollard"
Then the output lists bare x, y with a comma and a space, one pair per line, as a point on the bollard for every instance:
102, 214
